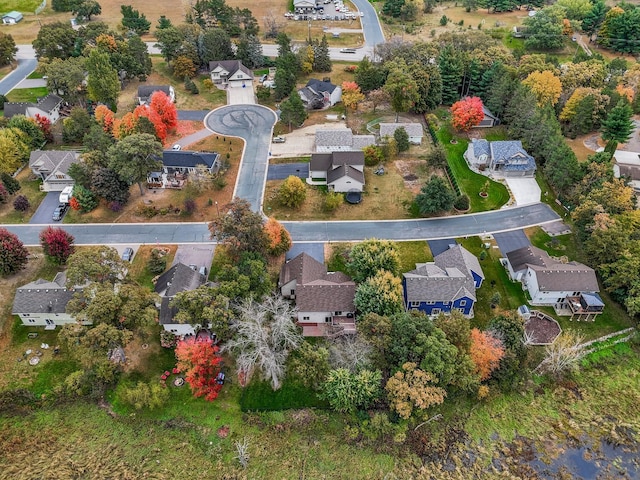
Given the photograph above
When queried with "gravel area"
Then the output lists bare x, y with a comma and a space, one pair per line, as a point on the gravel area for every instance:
543, 329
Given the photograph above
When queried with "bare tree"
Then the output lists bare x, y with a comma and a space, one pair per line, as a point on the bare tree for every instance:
272, 27
351, 352
563, 354
264, 336
528, 338
242, 448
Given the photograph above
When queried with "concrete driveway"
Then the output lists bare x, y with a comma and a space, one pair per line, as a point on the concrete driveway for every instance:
241, 94
192, 115
301, 141
510, 241
198, 255
284, 170
524, 190
253, 123
45, 210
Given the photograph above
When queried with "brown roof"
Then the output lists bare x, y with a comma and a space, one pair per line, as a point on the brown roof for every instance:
522, 257
353, 158
303, 268
345, 171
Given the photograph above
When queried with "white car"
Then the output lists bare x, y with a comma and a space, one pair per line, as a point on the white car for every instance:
176, 147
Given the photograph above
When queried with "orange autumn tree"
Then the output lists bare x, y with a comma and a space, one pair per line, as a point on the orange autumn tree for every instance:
105, 118
278, 238
467, 113
125, 126
351, 95
200, 361
158, 126
166, 110
545, 86
486, 352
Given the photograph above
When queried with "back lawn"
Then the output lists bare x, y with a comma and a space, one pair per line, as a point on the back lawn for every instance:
30, 188
27, 94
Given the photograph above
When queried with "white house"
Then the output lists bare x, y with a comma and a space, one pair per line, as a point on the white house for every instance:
340, 171
179, 278
320, 94
324, 300
304, 6
230, 72
627, 165
43, 303
48, 107
12, 18
52, 167
414, 130
146, 91
549, 281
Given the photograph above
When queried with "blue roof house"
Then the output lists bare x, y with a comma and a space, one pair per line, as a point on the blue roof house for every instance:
448, 283
11, 18
505, 157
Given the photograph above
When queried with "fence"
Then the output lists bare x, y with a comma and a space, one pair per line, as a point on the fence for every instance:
41, 7
452, 180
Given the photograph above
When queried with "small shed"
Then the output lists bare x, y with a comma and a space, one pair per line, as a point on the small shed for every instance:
12, 18
414, 130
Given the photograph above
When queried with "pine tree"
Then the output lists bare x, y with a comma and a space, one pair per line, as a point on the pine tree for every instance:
451, 72
618, 126
321, 59
292, 111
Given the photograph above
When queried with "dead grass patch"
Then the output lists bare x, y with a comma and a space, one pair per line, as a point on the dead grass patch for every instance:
579, 148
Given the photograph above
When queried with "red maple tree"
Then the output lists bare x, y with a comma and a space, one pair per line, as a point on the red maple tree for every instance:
467, 113
486, 352
57, 244
200, 361
165, 108
45, 125
105, 118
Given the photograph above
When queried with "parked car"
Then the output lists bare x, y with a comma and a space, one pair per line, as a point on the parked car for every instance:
176, 147
264, 77
59, 212
279, 139
127, 255
203, 271
347, 50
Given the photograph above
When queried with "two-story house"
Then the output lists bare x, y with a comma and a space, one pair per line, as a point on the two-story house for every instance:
340, 171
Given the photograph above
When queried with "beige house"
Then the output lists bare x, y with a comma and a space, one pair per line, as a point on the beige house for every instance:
340, 171
229, 72
52, 167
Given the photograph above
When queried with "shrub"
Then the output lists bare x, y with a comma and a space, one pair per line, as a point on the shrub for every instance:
437, 156
148, 211
207, 83
373, 156
461, 203
168, 339
444, 20
144, 395
263, 93
333, 200
157, 264
115, 206
402, 139
3, 100
293, 192
11, 184
190, 86
350, 68
21, 203
189, 206
13, 254
4, 195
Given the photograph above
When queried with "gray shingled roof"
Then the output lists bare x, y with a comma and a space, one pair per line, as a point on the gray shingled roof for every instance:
179, 278
320, 86
354, 158
145, 91
480, 147
342, 137
360, 141
51, 161
572, 276
505, 152
345, 171
530, 255
413, 129
320, 161
231, 66
430, 283
46, 104
49, 103
43, 296
488, 113
188, 159
461, 258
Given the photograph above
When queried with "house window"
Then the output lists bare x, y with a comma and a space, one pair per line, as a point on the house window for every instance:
435, 311
414, 304
461, 310
575, 294
463, 303
293, 292
327, 319
32, 320
305, 319
338, 314
559, 300
431, 303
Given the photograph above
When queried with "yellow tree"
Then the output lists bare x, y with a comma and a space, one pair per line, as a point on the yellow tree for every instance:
14, 149
351, 95
545, 86
412, 389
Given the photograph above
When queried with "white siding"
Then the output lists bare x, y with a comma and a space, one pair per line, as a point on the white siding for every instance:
288, 289
44, 319
314, 317
345, 184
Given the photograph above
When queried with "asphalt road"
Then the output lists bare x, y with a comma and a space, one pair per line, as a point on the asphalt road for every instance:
373, 34
192, 115
24, 69
284, 170
253, 123
175, 233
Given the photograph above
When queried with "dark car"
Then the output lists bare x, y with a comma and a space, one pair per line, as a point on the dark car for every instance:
127, 255
59, 212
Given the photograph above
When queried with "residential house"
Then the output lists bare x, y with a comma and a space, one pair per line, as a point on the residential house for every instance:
48, 107
12, 18
178, 164
179, 278
341, 140
627, 165
340, 171
565, 286
504, 157
43, 303
52, 167
324, 300
320, 94
414, 130
446, 284
146, 91
229, 72
489, 119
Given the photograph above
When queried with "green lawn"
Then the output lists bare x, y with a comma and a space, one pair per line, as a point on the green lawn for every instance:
35, 75
470, 182
24, 6
27, 94
31, 190
554, 246
412, 253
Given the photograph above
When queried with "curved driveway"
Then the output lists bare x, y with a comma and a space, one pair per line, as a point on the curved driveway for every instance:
426, 229
254, 124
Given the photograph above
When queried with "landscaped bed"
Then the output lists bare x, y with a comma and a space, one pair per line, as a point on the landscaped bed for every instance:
542, 329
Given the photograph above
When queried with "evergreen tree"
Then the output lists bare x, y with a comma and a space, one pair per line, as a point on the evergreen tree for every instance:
451, 70
250, 51
286, 75
321, 59
292, 111
214, 44
370, 76
618, 126
435, 196
103, 84
594, 18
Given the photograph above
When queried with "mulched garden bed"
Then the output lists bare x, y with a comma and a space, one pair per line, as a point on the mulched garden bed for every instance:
543, 330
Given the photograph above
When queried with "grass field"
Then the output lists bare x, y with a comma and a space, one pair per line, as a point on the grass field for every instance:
138, 270
19, 5
27, 94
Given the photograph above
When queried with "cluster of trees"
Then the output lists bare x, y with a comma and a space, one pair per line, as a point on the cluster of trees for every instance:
8, 49
18, 137
90, 63
615, 27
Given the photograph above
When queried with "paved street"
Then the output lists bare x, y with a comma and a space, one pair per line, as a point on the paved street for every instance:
254, 124
193, 115
444, 227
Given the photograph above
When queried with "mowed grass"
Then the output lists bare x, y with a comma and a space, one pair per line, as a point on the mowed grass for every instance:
138, 270
23, 6
470, 182
27, 94
30, 188
413, 252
